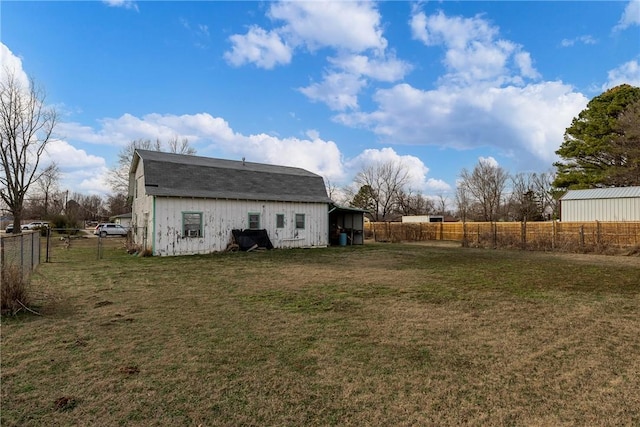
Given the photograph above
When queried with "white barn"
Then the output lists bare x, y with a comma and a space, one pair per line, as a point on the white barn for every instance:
601, 204
185, 205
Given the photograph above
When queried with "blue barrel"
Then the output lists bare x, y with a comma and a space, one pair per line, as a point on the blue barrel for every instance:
343, 239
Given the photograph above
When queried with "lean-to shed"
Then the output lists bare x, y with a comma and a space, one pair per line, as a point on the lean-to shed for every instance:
601, 204
185, 204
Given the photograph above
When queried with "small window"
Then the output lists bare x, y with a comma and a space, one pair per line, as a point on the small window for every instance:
299, 220
280, 221
191, 224
254, 221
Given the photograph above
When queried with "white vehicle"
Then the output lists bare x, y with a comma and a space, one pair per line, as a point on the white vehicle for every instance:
110, 229
36, 225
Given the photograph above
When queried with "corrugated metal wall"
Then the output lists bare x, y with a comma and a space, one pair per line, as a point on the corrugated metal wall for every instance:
219, 217
621, 209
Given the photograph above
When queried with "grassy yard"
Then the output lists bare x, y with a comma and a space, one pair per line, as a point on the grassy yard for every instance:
385, 334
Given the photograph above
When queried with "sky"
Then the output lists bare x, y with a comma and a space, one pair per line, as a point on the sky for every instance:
331, 87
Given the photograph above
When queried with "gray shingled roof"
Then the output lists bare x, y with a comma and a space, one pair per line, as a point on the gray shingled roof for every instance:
178, 175
602, 193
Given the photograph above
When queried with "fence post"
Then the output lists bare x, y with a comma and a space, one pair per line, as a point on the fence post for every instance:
494, 225
465, 241
553, 235
581, 236
598, 241
523, 234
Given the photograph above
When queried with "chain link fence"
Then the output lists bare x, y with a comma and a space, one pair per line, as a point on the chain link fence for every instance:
21, 251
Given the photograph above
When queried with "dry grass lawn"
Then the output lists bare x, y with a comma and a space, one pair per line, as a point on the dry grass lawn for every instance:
385, 334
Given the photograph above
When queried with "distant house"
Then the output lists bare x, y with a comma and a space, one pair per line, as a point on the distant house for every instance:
601, 204
123, 219
189, 205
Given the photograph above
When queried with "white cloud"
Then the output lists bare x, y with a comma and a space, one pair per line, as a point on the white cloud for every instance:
630, 16
628, 73
474, 53
352, 29
263, 48
416, 169
490, 161
528, 120
127, 4
338, 90
80, 171
387, 69
586, 39
345, 26
12, 64
352, 25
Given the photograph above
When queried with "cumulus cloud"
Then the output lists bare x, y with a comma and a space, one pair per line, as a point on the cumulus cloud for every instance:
80, 171
265, 49
416, 170
628, 73
213, 136
12, 64
489, 97
339, 91
527, 119
630, 16
474, 51
352, 29
353, 26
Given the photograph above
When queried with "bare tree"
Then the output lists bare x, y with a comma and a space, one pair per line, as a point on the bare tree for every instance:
47, 186
26, 127
119, 175
547, 195
463, 202
524, 200
385, 180
485, 184
410, 203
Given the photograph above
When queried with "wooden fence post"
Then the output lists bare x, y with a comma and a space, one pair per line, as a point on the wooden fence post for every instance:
523, 234
553, 235
494, 226
581, 236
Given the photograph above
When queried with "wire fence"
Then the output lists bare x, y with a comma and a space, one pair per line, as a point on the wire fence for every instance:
21, 251
551, 235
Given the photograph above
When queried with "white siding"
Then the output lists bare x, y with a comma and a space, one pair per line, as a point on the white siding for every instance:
622, 209
142, 212
219, 217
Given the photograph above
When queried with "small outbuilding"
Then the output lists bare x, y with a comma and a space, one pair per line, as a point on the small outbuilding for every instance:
601, 204
185, 204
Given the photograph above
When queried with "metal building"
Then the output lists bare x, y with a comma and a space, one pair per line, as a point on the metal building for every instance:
601, 204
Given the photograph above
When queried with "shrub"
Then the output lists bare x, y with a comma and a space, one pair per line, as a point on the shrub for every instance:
13, 292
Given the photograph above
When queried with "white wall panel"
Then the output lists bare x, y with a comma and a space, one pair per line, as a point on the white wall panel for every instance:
623, 209
221, 216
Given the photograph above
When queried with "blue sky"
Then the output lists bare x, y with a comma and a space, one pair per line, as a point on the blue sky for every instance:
326, 86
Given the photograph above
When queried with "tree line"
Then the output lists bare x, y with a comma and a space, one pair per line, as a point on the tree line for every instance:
601, 148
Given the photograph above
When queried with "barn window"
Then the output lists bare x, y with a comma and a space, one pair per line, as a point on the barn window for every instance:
192, 224
254, 220
299, 220
279, 220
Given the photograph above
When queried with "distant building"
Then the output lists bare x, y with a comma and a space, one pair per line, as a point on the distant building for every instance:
422, 218
601, 204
